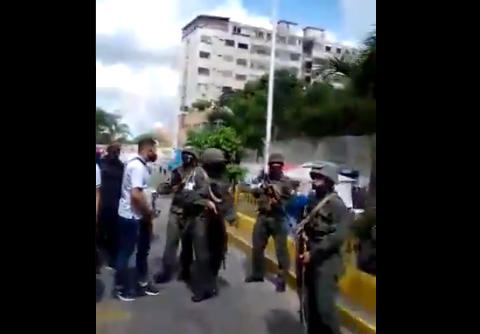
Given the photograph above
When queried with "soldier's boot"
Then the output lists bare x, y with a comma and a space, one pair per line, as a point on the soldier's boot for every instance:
164, 276
258, 265
198, 298
280, 284
184, 275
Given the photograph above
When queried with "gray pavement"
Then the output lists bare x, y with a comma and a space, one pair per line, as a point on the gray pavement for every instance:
239, 309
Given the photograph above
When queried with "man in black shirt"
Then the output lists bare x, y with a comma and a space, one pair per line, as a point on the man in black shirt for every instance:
112, 173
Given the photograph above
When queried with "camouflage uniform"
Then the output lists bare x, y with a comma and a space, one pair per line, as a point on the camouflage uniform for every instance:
272, 221
207, 228
176, 226
326, 234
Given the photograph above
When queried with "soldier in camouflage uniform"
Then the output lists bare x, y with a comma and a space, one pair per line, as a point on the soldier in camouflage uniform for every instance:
272, 221
326, 230
208, 204
176, 226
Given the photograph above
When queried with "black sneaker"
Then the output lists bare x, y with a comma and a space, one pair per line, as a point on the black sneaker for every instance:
281, 285
124, 295
147, 289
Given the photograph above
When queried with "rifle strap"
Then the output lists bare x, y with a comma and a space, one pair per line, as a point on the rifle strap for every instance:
212, 195
320, 205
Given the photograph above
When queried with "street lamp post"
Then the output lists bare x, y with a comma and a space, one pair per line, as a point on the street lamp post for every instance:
271, 81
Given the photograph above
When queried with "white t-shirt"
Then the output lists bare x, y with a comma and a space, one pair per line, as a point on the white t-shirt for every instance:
98, 176
135, 176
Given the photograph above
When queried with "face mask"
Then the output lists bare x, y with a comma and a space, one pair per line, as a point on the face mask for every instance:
186, 159
214, 169
321, 187
152, 157
275, 171
116, 154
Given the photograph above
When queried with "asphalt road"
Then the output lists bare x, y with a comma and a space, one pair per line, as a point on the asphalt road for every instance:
239, 309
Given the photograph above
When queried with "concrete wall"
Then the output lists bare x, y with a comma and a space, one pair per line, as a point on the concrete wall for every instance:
351, 151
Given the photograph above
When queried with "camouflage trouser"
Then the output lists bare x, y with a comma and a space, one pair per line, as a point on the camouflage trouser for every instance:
176, 232
320, 291
203, 274
266, 227
217, 242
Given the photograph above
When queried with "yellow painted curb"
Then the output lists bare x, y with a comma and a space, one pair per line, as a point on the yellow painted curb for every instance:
238, 238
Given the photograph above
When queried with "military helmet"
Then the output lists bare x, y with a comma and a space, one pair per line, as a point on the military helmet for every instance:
276, 158
190, 150
213, 155
327, 170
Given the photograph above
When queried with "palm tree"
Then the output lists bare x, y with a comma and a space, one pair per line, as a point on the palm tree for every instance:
109, 127
358, 76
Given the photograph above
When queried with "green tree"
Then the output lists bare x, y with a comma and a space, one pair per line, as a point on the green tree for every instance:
360, 78
224, 138
109, 127
245, 110
341, 102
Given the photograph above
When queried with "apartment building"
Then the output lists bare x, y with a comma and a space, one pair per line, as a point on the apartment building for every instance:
189, 121
220, 55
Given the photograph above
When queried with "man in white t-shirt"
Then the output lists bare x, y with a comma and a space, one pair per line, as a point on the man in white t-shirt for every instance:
98, 177
135, 225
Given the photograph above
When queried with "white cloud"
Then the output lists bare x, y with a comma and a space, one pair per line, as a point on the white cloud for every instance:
137, 44
136, 58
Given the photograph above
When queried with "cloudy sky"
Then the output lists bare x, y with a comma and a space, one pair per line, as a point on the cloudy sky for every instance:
137, 43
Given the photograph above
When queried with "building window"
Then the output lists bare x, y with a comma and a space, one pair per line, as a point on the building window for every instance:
227, 74
259, 34
237, 30
242, 46
282, 39
240, 77
229, 42
339, 51
203, 71
241, 62
227, 89
206, 39
259, 66
228, 58
292, 40
294, 56
260, 50
328, 48
204, 55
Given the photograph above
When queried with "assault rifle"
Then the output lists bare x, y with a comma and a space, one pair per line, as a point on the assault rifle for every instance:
225, 209
300, 248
